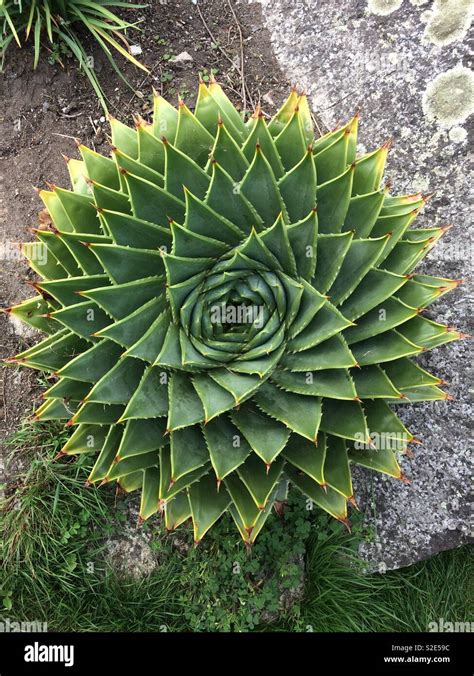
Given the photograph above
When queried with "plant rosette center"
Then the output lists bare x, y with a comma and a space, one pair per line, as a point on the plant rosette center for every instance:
237, 313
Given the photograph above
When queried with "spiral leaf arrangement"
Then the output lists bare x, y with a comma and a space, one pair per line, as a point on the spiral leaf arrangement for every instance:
231, 308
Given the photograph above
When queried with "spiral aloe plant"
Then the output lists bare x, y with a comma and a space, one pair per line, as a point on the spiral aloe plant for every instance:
231, 308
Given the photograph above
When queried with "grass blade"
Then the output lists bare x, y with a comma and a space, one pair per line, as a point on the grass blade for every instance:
47, 12
12, 26
37, 38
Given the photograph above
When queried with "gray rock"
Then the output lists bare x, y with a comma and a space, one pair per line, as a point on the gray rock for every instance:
389, 58
130, 554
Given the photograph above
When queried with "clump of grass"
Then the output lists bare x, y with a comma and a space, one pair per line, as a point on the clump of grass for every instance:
342, 597
54, 24
54, 541
55, 537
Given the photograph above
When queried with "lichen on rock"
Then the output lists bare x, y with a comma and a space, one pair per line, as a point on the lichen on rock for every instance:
449, 21
383, 7
458, 134
449, 98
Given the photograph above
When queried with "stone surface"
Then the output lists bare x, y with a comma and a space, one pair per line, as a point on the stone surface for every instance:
130, 555
390, 59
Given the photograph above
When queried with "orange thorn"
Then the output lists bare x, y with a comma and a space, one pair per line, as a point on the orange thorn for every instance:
353, 502
445, 228
346, 523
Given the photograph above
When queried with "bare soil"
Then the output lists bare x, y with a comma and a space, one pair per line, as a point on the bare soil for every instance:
43, 111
